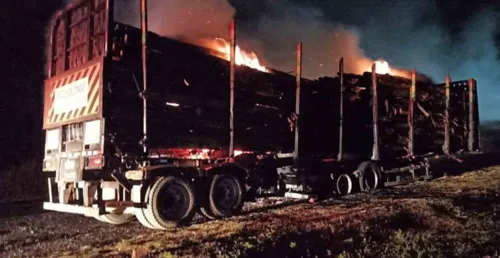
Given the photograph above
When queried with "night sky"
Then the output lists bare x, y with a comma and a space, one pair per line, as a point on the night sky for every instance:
436, 37
22, 46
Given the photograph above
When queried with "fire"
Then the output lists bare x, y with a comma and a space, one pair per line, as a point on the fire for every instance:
382, 67
242, 57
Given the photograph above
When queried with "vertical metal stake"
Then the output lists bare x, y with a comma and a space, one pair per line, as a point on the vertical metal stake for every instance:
341, 115
476, 119
375, 150
231, 87
298, 78
144, 30
471, 115
411, 103
446, 145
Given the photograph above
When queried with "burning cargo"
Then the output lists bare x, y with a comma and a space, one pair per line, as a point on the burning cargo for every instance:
189, 131
189, 97
410, 116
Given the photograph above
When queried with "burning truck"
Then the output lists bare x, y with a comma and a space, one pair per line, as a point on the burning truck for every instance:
138, 125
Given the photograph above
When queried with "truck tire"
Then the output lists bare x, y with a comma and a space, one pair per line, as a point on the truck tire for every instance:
140, 214
115, 219
225, 197
206, 212
343, 184
370, 176
172, 202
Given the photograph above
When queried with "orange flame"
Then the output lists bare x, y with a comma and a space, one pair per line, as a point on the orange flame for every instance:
382, 67
242, 57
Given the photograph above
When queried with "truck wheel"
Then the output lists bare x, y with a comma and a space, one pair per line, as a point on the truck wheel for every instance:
115, 219
225, 197
140, 214
206, 212
369, 177
344, 184
172, 203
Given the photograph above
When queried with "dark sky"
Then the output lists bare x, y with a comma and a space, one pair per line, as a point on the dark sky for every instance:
436, 37
22, 44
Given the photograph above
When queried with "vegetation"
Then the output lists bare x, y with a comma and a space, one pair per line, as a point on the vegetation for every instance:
23, 182
449, 217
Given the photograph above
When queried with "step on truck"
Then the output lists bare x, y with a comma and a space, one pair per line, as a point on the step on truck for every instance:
142, 126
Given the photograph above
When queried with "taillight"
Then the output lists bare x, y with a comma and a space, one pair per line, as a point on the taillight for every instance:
95, 162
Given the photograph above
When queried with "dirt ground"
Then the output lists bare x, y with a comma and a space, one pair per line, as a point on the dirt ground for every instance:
454, 216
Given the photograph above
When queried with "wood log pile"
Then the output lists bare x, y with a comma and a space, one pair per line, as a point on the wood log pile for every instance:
319, 117
459, 115
393, 101
189, 106
393, 107
429, 118
189, 98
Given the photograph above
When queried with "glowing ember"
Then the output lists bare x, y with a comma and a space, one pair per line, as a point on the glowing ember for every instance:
382, 67
242, 57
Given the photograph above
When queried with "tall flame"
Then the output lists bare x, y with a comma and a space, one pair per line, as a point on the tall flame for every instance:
242, 57
382, 67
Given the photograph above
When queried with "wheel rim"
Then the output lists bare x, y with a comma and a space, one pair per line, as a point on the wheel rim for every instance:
370, 179
226, 193
173, 202
344, 184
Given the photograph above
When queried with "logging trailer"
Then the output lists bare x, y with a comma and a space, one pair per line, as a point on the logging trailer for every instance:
138, 125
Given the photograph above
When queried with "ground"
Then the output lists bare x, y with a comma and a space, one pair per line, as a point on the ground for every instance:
454, 216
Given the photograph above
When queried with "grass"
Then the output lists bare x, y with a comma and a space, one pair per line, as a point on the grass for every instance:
451, 217
23, 182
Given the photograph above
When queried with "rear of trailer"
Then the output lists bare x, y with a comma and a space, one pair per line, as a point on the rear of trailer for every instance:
95, 121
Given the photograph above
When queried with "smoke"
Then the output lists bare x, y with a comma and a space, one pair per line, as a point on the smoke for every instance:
324, 43
273, 37
411, 37
407, 34
187, 20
